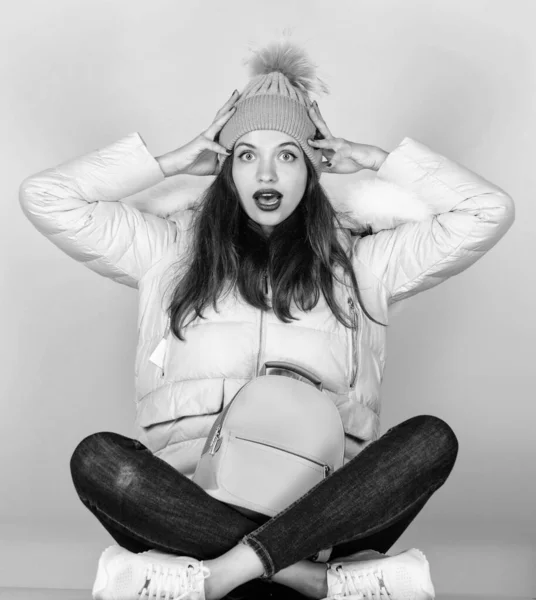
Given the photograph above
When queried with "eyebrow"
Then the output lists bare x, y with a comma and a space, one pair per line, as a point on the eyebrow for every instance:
280, 145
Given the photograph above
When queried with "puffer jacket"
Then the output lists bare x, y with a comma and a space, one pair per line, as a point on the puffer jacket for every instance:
181, 387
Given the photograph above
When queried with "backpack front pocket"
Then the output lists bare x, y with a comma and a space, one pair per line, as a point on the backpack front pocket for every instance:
266, 476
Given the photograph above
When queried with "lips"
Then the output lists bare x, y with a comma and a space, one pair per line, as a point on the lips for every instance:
267, 194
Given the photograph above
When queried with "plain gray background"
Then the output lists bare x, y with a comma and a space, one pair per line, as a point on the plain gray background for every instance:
457, 76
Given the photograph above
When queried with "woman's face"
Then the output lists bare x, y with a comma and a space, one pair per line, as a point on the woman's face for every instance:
265, 159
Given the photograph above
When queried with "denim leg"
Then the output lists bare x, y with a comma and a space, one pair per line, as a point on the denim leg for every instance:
145, 503
383, 539
382, 488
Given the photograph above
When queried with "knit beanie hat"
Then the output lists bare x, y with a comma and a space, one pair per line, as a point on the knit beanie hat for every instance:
277, 98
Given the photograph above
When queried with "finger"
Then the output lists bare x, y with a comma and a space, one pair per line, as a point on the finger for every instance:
328, 147
218, 148
219, 123
321, 143
335, 143
234, 97
329, 165
314, 113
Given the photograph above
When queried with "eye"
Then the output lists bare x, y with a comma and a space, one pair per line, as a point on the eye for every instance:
285, 152
290, 154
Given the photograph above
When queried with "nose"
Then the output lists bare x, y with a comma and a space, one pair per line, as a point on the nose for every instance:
266, 171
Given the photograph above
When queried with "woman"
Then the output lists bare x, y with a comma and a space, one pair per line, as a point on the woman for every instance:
292, 284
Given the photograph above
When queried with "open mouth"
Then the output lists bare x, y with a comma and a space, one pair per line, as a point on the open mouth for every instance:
267, 198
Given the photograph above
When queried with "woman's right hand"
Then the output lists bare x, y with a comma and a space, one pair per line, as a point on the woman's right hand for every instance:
200, 156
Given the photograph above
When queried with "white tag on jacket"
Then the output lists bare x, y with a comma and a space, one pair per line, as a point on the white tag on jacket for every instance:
157, 357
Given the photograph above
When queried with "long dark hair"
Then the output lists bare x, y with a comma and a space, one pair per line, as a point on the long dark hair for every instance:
230, 249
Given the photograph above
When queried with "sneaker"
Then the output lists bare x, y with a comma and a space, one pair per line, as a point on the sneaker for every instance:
125, 575
404, 576
361, 555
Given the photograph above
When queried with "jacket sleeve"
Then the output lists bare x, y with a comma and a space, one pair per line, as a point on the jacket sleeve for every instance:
469, 216
77, 206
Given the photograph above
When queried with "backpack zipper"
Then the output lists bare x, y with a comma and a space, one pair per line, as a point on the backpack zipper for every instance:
326, 468
215, 442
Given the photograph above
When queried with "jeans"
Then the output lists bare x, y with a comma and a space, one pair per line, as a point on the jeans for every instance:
144, 503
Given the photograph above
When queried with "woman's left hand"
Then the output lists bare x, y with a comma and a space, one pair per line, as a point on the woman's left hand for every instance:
344, 156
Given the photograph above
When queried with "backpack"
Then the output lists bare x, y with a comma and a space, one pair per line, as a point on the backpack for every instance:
277, 438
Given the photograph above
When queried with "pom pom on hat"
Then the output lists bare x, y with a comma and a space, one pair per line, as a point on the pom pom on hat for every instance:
290, 60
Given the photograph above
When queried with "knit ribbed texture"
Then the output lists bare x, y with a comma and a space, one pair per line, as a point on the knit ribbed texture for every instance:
272, 102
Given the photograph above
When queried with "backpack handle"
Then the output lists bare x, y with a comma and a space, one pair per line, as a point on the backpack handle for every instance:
311, 377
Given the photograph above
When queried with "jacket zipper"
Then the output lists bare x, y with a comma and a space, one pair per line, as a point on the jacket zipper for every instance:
165, 338
261, 333
326, 468
354, 341
215, 442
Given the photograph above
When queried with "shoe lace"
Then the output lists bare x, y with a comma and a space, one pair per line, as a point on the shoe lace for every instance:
363, 583
170, 583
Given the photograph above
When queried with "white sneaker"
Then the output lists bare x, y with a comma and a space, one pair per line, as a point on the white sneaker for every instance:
361, 555
404, 576
125, 575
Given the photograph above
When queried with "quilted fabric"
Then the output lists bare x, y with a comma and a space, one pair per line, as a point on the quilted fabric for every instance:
431, 219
